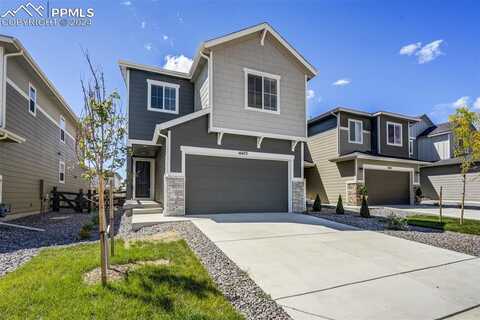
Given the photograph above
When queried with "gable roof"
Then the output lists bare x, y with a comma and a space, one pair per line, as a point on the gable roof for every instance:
361, 113
262, 27
437, 129
20, 48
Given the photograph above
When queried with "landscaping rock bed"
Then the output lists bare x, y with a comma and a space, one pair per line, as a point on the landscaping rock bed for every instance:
465, 243
18, 246
242, 292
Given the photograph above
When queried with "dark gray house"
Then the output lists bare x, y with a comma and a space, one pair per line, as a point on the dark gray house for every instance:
228, 136
37, 134
351, 149
435, 143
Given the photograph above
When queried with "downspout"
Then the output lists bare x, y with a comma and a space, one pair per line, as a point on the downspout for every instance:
4, 88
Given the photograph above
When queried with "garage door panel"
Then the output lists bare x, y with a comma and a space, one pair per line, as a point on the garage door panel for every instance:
223, 185
387, 187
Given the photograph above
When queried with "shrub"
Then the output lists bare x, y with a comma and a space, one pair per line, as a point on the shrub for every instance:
317, 205
94, 218
339, 209
364, 210
418, 195
84, 233
395, 222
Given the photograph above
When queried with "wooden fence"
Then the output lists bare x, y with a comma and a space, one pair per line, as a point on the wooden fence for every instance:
80, 202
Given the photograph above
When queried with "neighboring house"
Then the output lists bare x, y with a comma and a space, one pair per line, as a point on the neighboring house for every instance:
350, 149
228, 135
435, 142
37, 133
117, 182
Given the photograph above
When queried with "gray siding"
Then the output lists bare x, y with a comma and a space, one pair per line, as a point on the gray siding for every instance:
329, 178
24, 165
427, 150
389, 150
345, 146
229, 61
449, 177
142, 121
195, 133
159, 173
322, 126
201, 88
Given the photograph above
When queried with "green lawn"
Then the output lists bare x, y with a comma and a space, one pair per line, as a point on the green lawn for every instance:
50, 286
447, 224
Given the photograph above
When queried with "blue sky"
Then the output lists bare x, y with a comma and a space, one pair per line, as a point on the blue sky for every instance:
355, 44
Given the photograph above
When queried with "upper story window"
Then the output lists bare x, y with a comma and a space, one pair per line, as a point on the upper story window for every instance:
394, 134
262, 91
162, 96
62, 129
32, 101
355, 131
61, 171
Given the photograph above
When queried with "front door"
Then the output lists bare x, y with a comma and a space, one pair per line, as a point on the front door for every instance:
143, 180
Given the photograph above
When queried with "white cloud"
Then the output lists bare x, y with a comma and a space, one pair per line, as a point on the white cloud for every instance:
310, 94
144, 24
476, 104
165, 37
461, 102
410, 48
126, 3
178, 63
429, 52
341, 82
148, 46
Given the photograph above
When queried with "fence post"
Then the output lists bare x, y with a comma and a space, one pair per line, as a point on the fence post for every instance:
79, 201
89, 197
55, 200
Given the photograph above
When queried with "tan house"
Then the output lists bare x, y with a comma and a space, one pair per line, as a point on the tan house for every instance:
37, 134
349, 149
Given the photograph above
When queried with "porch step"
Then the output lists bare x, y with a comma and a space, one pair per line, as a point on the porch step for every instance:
132, 204
148, 210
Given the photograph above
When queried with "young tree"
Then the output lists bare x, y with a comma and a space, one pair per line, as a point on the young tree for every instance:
339, 209
317, 204
466, 143
100, 143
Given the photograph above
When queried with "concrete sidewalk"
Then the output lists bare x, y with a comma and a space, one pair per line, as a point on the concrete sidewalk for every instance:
318, 269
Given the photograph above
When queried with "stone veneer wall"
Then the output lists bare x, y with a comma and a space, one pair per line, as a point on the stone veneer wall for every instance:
298, 196
175, 195
354, 197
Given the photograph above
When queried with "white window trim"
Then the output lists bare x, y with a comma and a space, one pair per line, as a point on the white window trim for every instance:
60, 164
151, 82
62, 124
30, 87
261, 74
401, 133
361, 131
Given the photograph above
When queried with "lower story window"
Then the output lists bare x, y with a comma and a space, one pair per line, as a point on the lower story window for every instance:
61, 172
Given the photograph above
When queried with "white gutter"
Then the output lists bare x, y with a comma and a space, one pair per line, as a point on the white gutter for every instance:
4, 87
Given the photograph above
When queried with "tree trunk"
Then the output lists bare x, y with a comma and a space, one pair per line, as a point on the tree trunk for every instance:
112, 218
101, 227
464, 176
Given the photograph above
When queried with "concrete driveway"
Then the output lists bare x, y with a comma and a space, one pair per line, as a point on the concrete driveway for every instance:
317, 269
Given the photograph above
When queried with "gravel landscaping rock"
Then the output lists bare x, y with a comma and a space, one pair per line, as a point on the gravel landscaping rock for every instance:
465, 243
242, 292
18, 246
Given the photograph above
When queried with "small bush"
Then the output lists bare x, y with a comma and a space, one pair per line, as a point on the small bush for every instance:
84, 233
395, 222
88, 226
339, 209
364, 210
418, 196
317, 205
94, 218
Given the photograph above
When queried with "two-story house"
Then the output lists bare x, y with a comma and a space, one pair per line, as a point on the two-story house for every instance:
37, 134
435, 143
350, 149
228, 136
